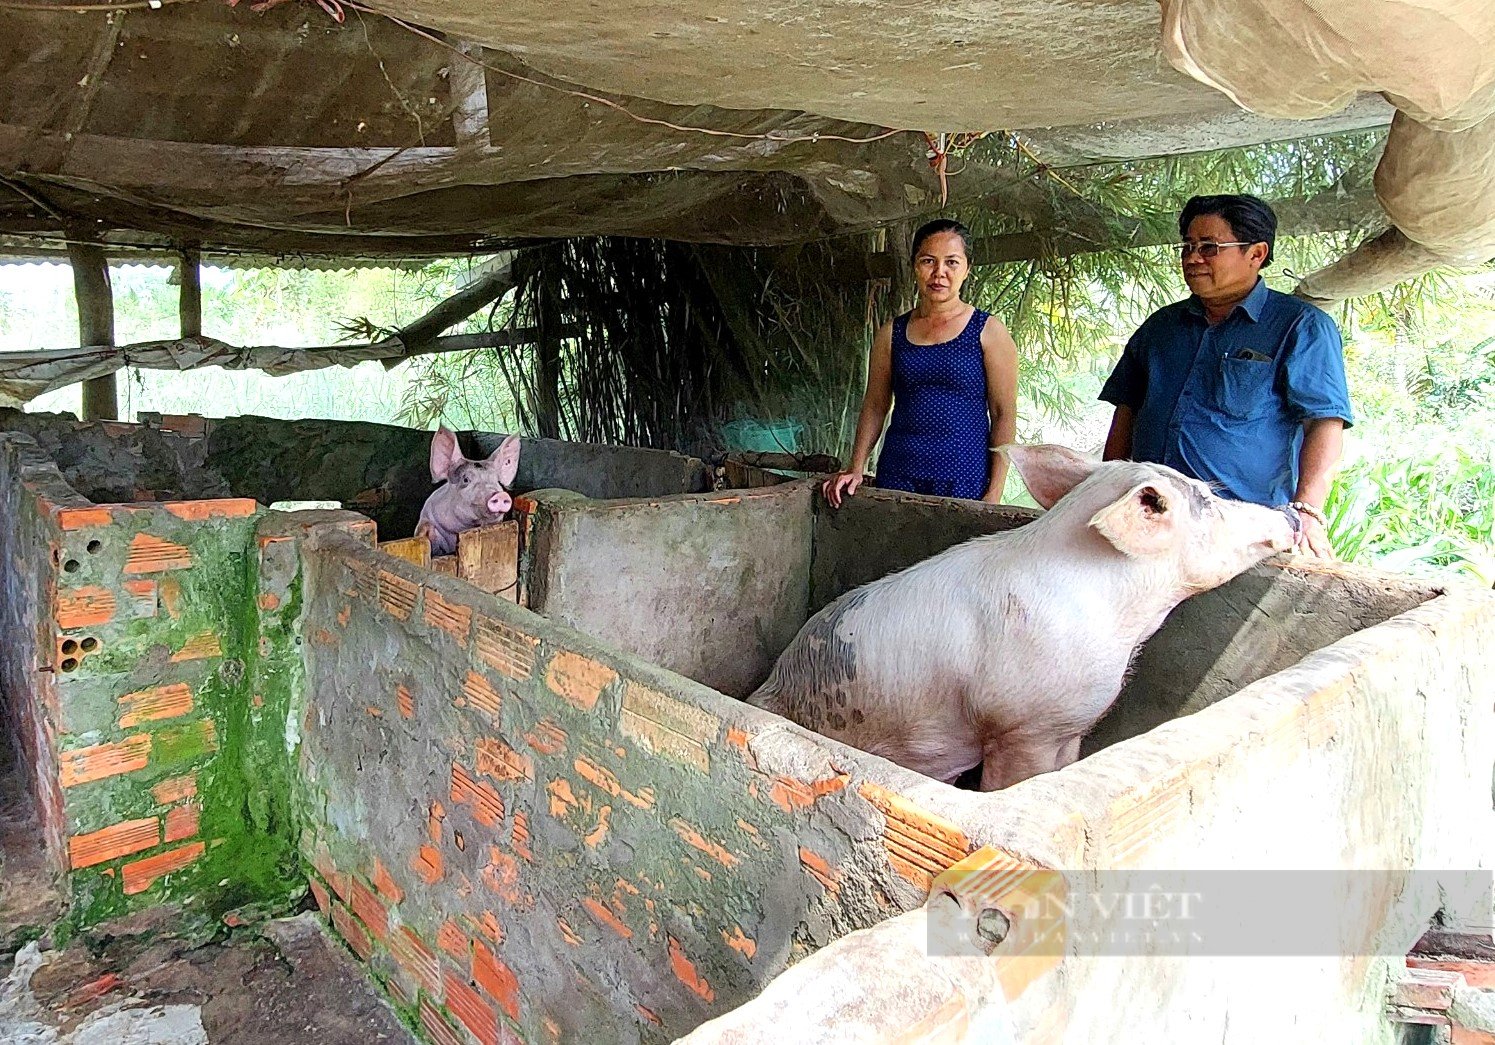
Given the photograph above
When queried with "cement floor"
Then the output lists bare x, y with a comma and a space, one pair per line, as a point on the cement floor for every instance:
280, 983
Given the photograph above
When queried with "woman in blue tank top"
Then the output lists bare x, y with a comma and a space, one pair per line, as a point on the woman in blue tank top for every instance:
950, 373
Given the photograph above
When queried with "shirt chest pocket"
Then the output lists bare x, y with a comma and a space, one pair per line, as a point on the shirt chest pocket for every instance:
1245, 387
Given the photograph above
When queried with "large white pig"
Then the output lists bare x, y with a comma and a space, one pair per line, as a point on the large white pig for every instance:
1004, 651
473, 493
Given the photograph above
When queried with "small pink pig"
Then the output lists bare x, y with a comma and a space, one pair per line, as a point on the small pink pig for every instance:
473, 493
1004, 651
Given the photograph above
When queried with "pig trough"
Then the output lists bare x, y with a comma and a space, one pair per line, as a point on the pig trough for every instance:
547, 818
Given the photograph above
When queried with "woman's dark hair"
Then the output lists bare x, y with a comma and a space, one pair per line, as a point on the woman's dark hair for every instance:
934, 228
1248, 217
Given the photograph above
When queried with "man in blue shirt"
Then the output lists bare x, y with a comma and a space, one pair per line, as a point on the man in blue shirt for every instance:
1237, 385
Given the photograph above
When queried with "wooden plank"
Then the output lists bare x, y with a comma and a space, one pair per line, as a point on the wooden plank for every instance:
95, 298
446, 564
415, 550
488, 558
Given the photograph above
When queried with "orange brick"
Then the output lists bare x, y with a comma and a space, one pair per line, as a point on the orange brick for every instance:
567, 933
1475, 973
151, 554
471, 1010
604, 779
694, 838
450, 617
140, 875
595, 837
790, 794
427, 864
85, 607
222, 508
1466, 1036
496, 978
441, 1032
318, 890
97, 847
350, 930
820, 870
500, 761
479, 693
198, 647
562, 798
370, 910
417, 959
606, 917
488, 925
685, 971
451, 939
578, 680
269, 601
920, 845
520, 839
175, 789
740, 942
154, 704
181, 822
83, 518
84, 764
397, 595
385, 883
501, 874
487, 806
405, 701
505, 648
547, 738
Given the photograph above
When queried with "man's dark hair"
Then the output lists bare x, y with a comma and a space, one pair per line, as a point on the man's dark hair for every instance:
1249, 218
934, 228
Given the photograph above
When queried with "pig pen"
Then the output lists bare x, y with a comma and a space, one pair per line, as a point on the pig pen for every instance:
1305, 717
555, 823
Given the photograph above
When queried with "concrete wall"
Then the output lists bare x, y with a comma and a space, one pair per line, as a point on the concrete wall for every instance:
540, 838
381, 471
1263, 621
877, 532
712, 586
141, 677
1370, 756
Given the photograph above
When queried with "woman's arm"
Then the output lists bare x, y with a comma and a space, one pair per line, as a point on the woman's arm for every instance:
999, 353
875, 403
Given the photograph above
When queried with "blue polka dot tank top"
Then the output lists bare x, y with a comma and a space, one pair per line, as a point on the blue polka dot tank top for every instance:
938, 440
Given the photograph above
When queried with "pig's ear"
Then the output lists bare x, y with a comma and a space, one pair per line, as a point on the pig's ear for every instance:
1049, 471
1144, 522
445, 454
507, 456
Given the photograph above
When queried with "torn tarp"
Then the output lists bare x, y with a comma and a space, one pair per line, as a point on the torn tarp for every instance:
26, 375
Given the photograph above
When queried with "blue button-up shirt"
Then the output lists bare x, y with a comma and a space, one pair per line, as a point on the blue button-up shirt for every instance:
1226, 403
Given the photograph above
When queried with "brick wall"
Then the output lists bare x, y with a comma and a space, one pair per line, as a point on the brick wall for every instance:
133, 688
537, 839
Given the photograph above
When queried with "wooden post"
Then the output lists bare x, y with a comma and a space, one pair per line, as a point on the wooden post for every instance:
95, 320
190, 303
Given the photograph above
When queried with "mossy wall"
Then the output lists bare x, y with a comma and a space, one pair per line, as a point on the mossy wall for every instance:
150, 682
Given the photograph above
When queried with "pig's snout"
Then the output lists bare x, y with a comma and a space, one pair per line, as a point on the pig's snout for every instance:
500, 502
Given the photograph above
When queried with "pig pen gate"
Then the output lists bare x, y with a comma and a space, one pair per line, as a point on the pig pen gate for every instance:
554, 822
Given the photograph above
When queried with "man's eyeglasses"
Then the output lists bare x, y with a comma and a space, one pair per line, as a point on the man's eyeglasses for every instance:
1208, 249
